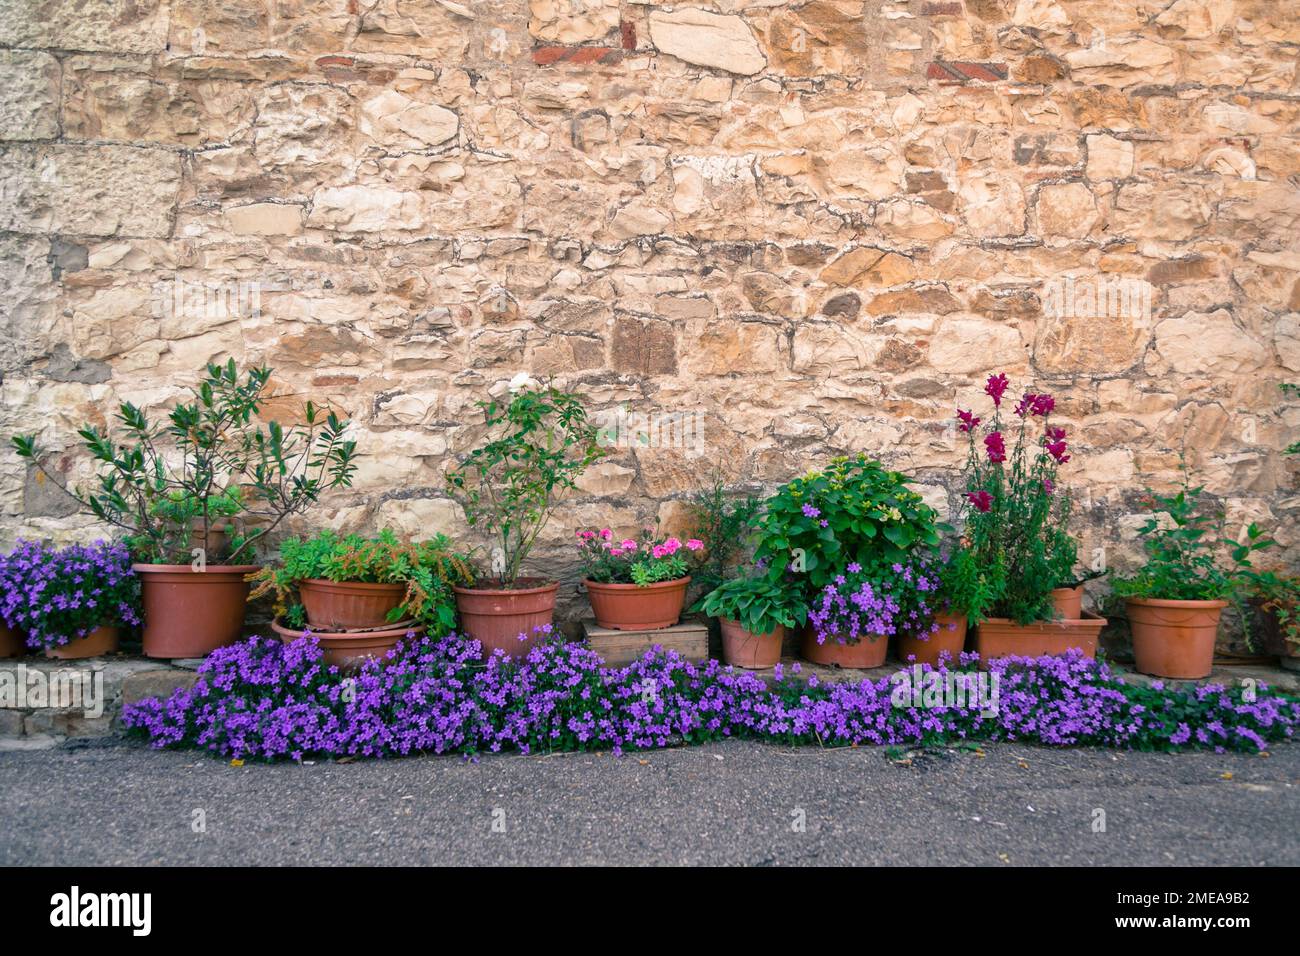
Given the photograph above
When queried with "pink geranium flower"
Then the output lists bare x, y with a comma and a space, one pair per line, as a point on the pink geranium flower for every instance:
694, 544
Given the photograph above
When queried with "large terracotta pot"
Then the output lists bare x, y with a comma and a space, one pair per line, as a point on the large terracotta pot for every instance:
495, 617
347, 605
949, 639
12, 643
1000, 637
352, 648
1068, 602
190, 613
1174, 638
862, 655
102, 640
742, 648
630, 607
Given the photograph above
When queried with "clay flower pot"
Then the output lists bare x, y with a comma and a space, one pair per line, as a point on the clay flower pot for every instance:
950, 638
11, 642
1174, 638
102, 640
190, 613
350, 649
1068, 602
864, 654
742, 648
495, 617
347, 605
630, 607
1000, 637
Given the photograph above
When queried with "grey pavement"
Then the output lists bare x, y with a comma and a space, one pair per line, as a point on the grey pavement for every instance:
727, 803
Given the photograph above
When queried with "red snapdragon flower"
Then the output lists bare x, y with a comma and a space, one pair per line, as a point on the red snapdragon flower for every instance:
996, 447
996, 386
981, 501
969, 421
1057, 450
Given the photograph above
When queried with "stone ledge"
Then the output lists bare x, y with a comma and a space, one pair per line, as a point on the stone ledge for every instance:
124, 680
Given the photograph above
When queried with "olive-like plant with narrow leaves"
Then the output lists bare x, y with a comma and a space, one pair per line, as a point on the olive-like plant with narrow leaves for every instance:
166, 486
539, 442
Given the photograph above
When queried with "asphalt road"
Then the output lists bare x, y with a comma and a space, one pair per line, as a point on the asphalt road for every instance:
729, 803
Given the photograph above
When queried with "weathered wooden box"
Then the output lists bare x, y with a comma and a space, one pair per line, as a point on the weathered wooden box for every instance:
690, 640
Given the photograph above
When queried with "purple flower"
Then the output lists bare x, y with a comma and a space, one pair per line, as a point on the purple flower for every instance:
810, 512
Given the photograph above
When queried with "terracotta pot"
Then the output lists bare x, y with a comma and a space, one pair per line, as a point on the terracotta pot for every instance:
102, 640
742, 648
630, 607
347, 605
350, 649
495, 617
1000, 637
1174, 638
191, 613
12, 643
862, 655
950, 638
1068, 602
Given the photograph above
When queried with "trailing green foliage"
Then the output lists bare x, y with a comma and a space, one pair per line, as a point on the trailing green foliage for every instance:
427, 568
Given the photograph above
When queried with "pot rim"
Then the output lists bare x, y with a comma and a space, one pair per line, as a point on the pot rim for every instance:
641, 589
1191, 605
461, 589
1089, 621
188, 569
326, 583
339, 636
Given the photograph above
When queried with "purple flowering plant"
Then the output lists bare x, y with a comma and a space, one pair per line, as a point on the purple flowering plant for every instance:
1016, 514
872, 603
56, 595
267, 700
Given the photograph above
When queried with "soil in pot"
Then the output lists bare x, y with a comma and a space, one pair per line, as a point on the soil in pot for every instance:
631, 607
346, 605
1000, 637
102, 640
949, 639
190, 613
351, 649
1174, 638
11, 642
1068, 602
742, 648
866, 653
496, 617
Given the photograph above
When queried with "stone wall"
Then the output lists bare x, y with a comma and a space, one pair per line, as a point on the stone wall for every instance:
818, 225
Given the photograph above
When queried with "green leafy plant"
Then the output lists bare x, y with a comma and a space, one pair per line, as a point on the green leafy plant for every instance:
1016, 514
540, 442
166, 486
759, 604
853, 511
965, 587
1290, 389
723, 522
427, 568
1184, 551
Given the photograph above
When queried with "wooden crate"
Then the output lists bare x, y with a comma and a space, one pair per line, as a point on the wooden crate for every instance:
616, 648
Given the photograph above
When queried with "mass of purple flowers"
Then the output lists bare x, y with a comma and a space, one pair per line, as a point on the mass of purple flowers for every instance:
860, 604
263, 699
56, 595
